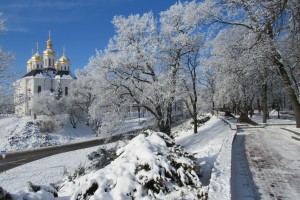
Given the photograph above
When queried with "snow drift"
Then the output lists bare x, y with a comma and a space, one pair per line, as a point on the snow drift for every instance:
151, 166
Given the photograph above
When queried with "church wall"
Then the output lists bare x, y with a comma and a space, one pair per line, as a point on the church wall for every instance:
65, 83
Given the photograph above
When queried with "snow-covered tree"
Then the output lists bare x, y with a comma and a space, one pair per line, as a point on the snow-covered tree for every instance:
180, 52
45, 103
270, 21
143, 63
130, 73
240, 73
6, 63
6, 100
6, 58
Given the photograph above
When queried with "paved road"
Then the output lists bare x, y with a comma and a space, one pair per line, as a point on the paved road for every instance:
265, 165
15, 159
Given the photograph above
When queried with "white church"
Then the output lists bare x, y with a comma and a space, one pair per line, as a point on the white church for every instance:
44, 73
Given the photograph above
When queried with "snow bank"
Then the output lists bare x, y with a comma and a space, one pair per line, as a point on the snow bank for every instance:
26, 133
219, 187
212, 147
150, 166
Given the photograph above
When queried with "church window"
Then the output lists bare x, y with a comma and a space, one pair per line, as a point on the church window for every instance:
39, 89
65, 68
49, 62
66, 91
37, 66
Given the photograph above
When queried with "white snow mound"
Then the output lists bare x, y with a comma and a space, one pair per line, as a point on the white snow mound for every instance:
151, 166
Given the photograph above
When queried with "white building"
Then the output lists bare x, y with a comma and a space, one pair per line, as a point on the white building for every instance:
44, 73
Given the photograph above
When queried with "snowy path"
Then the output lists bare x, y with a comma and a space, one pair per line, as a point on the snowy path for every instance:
242, 185
212, 146
274, 163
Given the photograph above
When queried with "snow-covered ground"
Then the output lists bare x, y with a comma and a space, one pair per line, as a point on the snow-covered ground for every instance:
268, 167
44, 171
146, 162
24, 133
212, 148
205, 145
284, 118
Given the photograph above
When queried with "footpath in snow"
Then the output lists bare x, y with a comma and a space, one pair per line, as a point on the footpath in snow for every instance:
265, 160
273, 158
212, 146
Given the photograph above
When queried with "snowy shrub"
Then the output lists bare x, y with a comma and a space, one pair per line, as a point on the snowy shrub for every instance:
28, 135
34, 192
4, 195
151, 166
45, 126
79, 171
48, 126
101, 158
36, 188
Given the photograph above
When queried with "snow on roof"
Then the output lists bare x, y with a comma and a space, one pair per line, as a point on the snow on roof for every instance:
49, 73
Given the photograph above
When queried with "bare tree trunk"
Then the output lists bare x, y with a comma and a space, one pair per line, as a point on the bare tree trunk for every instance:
164, 127
251, 106
264, 101
139, 111
195, 118
244, 112
72, 119
213, 107
258, 106
290, 90
163, 124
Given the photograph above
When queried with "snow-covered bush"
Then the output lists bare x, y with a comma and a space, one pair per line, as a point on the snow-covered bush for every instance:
29, 136
4, 195
36, 188
151, 166
32, 192
101, 158
55, 123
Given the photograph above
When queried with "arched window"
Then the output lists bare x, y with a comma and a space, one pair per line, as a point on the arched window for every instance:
66, 91
65, 68
49, 62
37, 66
39, 89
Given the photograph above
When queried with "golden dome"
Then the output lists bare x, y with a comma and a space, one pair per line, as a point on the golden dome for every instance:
36, 57
64, 59
49, 52
29, 62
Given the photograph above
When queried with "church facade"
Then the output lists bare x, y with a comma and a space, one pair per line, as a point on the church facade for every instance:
44, 73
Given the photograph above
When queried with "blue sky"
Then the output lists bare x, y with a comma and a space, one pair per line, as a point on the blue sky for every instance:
82, 26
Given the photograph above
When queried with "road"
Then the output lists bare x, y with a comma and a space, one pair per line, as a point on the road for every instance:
15, 159
265, 164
